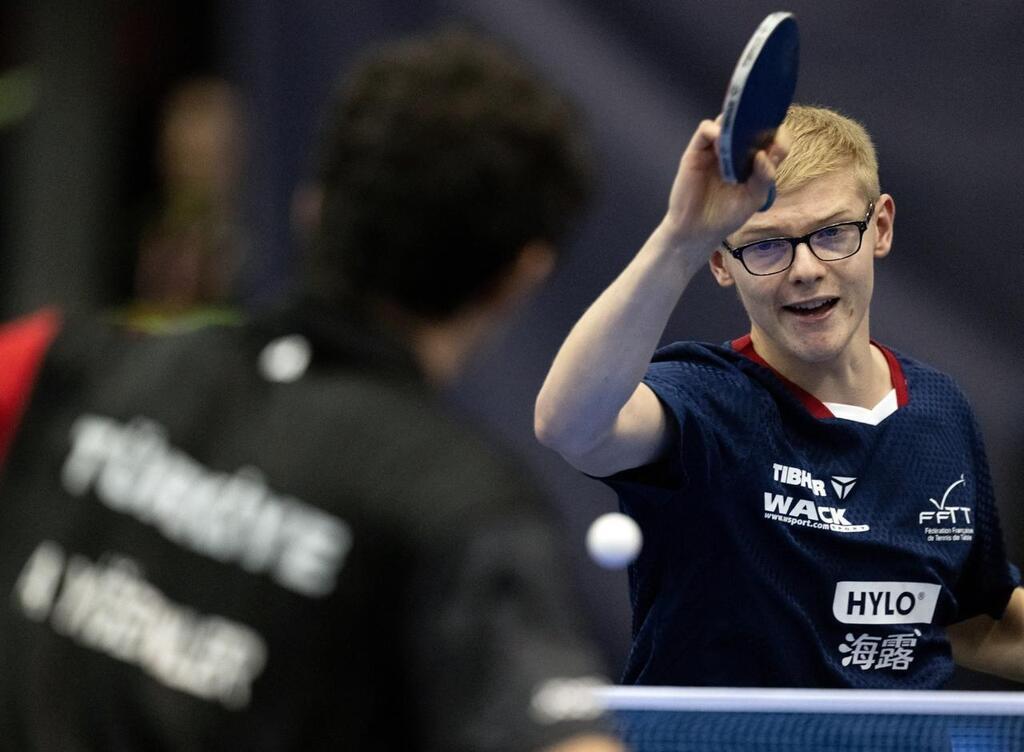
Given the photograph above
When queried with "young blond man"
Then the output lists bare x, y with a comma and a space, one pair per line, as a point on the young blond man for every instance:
817, 509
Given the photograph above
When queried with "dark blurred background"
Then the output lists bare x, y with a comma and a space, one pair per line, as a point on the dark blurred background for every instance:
93, 193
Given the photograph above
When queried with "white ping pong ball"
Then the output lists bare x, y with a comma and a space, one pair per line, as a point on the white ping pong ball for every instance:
285, 359
614, 540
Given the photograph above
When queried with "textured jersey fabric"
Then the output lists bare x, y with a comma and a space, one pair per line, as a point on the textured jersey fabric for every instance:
786, 547
194, 556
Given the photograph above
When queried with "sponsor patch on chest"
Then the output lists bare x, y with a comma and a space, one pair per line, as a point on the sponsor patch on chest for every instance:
885, 602
816, 513
950, 519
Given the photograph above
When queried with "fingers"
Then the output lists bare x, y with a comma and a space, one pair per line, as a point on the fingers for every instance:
765, 168
761, 184
766, 165
701, 202
762, 176
706, 139
705, 136
781, 145
701, 153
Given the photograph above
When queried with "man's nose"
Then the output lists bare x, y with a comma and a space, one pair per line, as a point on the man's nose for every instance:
806, 267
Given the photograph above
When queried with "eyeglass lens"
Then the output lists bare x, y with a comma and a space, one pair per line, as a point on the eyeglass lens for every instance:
829, 244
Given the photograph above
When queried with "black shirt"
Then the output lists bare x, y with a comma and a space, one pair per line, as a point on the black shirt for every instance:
208, 542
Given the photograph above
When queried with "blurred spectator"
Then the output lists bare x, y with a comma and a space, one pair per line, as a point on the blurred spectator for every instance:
191, 251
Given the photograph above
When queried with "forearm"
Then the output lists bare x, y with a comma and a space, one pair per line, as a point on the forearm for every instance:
996, 654
579, 410
607, 352
593, 743
994, 647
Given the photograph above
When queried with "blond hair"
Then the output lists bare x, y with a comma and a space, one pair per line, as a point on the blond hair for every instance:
825, 142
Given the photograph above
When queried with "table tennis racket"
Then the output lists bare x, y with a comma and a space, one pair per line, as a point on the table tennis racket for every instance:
759, 93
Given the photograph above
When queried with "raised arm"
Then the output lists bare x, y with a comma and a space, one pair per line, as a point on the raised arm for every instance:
593, 408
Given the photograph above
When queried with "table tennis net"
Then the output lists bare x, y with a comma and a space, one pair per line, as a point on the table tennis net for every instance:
656, 719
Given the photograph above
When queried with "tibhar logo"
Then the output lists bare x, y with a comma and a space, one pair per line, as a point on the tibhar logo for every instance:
806, 513
794, 476
885, 602
843, 485
943, 513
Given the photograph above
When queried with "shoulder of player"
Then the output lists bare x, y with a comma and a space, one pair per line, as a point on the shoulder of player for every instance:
388, 437
926, 382
453, 454
108, 343
385, 404
712, 374
701, 359
695, 353
73, 350
363, 421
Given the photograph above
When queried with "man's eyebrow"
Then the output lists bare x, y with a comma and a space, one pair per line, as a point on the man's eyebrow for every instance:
747, 235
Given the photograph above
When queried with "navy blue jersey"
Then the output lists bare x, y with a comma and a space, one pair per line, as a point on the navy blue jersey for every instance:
786, 547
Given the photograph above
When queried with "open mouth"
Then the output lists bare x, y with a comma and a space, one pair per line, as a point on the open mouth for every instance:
812, 308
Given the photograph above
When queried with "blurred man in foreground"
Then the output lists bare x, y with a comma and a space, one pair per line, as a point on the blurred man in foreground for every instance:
273, 536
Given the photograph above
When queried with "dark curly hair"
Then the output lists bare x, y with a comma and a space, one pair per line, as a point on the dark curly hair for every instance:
444, 155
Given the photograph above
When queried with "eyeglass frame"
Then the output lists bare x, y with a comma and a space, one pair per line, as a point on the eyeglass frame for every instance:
862, 225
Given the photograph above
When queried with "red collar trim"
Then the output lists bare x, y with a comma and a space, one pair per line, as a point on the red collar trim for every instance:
23, 344
899, 381
745, 346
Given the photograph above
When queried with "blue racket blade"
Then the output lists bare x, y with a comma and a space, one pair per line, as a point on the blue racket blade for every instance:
760, 91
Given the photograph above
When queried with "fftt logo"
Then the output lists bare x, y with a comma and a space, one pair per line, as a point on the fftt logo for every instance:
943, 513
885, 602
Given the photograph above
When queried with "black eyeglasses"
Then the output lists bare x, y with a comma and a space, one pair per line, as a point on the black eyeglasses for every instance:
774, 255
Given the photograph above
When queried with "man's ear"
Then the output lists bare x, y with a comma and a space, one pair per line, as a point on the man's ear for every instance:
536, 262
531, 267
885, 215
718, 268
